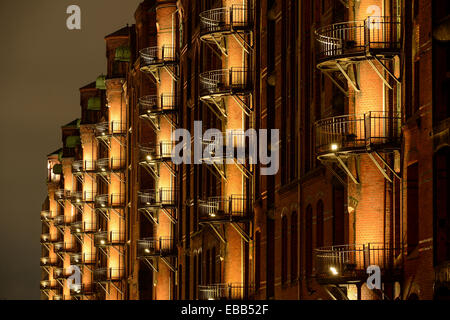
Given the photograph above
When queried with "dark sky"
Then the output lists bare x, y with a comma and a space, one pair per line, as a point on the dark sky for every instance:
42, 65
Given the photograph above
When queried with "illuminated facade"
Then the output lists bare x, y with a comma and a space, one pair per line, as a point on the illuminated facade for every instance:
356, 91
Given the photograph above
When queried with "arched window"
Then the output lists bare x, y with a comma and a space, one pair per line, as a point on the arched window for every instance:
319, 224
294, 246
308, 240
284, 249
257, 260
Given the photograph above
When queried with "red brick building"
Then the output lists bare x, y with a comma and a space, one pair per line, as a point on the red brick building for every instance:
359, 93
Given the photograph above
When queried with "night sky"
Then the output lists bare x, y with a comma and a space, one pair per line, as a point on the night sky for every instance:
42, 66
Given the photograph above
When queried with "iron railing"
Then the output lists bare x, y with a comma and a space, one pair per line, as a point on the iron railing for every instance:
61, 273
235, 207
157, 198
65, 247
109, 238
234, 144
225, 81
106, 129
61, 194
156, 153
106, 201
156, 247
82, 258
235, 291
358, 132
150, 105
49, 262
107, 165
108, 274
46, 215
352, 260
81, 166
356, 38
62, 220
83, 289
49, 285
80, 227
230, 19
158, 55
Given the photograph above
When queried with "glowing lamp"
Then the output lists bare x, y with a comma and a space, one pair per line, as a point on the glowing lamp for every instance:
334, 147
333, 271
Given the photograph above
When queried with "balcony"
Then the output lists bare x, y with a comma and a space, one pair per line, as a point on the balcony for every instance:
160, 152
80, 197
61, 194
163, 247
82, 166
106, 131
156, 57
348, 263
65, 247
62, 221
50, 285
107, 165
49, 262
46, 216
80, 227
61, 273
108, 274
163, 197
81, 259
218, 22
47, 238
222, 292
226, 82
358, 40
110, 201
235, 208
109, 238
82, 290
353, 134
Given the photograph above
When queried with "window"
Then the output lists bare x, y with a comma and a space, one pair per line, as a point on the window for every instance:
284, 249
319, 224
412, 206
294, 246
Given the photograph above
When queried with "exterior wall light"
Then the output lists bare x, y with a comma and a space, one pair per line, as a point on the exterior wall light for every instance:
334, 147
334, 271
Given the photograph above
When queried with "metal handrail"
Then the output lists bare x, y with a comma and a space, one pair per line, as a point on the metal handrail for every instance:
156, 55
349, 259
234, 206
154, 246
222, 291
225, 81
358, 131
159, 197
108, 274
110, 128
358, 37
236, 17
110, 200
154, 104
156, 152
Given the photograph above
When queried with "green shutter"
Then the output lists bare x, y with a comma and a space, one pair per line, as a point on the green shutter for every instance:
100, 82
57, 169
123, 54
60, 154
95, 103
72, 141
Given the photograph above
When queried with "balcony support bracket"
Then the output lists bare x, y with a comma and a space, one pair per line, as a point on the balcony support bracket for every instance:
387, 165
221, 44
379, 74
244, 235
346, 169
169, 215
169, 265
216, 231
387, 70
247, 110
241, 41
336, 83
151, 265
377, 164
151, 217
352, 82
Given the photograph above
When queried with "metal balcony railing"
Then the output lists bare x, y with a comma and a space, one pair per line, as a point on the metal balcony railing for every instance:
80, 227
157, 198
61, 194
375, 35
106, 201
358, 133
109, 238
156, 247
350, 262
155, 56
226, 20
108, 274
222, 292
106, 129
233, 208
82, 166
61, 273
65, 247
49, 262
62, 220
49, 285
84, 289
156, 153
83, 259
154, 105
233, 145
46, 216
107, 165
225, 82
48, 238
